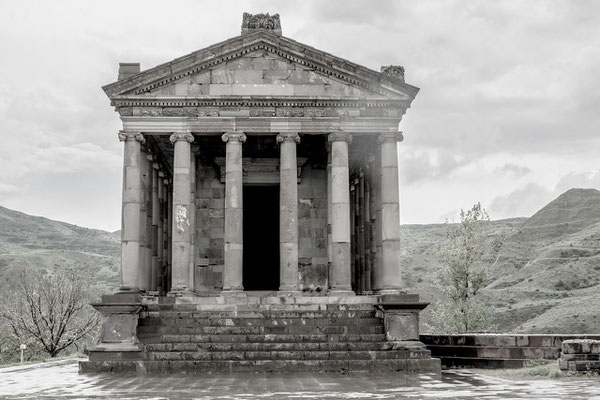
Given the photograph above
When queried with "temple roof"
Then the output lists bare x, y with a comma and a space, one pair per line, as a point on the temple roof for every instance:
199, 75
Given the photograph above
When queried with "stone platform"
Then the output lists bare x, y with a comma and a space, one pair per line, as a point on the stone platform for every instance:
268, 334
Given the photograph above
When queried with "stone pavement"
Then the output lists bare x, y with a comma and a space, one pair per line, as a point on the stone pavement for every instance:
63, 381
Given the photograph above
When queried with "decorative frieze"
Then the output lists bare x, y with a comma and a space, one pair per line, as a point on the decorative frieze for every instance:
252, 22
393, 71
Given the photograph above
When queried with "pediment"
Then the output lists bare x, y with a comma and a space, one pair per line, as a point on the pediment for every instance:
261, 65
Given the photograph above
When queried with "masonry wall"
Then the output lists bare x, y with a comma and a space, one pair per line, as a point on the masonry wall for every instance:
210, 222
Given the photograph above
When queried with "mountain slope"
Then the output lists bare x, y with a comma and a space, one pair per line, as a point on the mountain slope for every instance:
49, 245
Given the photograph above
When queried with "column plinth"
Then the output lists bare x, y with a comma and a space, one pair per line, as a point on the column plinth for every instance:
234, 213
131, 204
182, 229
390, 273
288, 214
339, 271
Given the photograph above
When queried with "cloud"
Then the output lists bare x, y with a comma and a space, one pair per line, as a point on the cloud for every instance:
419, 165
523, 202
514, 170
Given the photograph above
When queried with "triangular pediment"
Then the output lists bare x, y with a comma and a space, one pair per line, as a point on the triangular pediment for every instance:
262, 65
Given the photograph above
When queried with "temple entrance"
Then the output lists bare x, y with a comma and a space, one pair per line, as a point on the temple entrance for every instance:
261, 237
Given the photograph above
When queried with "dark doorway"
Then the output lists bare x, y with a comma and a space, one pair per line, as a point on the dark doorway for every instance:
261, 237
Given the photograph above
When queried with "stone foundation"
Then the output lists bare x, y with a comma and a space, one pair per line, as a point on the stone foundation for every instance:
580, 357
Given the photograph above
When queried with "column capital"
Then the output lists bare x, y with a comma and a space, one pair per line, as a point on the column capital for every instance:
129, 135
390, 137
177, 136
239, 136
288, 137
339, 136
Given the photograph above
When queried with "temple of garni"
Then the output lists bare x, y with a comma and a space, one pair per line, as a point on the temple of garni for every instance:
260, 225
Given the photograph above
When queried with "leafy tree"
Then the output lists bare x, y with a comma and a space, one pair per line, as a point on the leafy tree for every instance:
467, 254
49, 310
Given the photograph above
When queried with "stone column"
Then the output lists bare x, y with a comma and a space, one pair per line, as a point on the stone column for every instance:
155, 223
339, 272
147, 272
288, 213
182, 231
142, 267
161, 230
377, 267
130, 218
194, 149
234, 213
329, 252
169, 235
390, 214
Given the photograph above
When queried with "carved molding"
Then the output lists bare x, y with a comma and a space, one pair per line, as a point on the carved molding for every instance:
177, 136
233, 136
288, 137
390, 137
128, 135
394, 71
339, 136
252, 22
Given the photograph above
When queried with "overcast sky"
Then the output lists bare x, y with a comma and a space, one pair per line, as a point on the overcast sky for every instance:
508, 113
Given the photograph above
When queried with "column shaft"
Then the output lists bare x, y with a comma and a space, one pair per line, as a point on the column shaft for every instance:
288, 213
148, 242
234, 212
339, 273
378, 266
130, 218
161, 233
155, 224
390, 214
182, 233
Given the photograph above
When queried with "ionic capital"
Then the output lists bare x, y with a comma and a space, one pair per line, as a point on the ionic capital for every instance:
339, 136
128, 135
239, 136
288, 137
390, 137
177, 136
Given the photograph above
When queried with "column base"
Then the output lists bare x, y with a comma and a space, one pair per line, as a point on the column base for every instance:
389, 291
181, 293
340, 292
289, 293
128, 290
233, 292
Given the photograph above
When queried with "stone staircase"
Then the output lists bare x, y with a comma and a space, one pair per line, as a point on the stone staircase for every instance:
270, 334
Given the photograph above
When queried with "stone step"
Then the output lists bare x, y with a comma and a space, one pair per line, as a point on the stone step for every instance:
266, 346
257, 330
240, 321
262, 314
257, 338
279, 355
259, 307
404, 365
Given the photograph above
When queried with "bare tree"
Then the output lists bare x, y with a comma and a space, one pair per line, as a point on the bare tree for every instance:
51, 309
467, 254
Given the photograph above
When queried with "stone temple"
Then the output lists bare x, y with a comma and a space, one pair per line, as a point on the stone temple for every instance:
260, 227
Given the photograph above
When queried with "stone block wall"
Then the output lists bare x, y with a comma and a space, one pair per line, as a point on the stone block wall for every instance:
312, 230
210, 222
496, 350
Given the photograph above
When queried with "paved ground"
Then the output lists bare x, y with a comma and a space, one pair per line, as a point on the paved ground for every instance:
63, 381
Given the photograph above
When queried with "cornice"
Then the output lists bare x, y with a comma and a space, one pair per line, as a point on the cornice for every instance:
136, 101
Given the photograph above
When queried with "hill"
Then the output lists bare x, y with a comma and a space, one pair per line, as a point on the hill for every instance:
547, 278
48, 244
